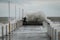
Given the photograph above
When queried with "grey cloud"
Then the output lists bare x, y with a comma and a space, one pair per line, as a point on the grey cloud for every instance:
15, 1
24, 1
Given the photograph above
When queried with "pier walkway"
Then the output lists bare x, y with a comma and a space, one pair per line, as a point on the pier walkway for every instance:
29, 33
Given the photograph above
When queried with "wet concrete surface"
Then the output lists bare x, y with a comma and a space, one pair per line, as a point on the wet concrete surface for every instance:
29, 33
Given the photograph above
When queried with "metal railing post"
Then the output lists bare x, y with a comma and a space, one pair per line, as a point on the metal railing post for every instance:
6, 32
2, 33
9, 31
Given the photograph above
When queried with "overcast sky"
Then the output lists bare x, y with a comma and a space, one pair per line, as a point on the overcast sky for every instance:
49, 7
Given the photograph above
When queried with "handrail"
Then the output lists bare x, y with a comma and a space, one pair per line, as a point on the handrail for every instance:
10, 27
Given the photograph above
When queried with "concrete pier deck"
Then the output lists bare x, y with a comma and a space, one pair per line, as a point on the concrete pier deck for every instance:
30, 33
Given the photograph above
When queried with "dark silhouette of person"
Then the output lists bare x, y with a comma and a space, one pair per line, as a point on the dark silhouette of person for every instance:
24, 20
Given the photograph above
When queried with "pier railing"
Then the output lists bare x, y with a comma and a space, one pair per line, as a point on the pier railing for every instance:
53, 30
7, 28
